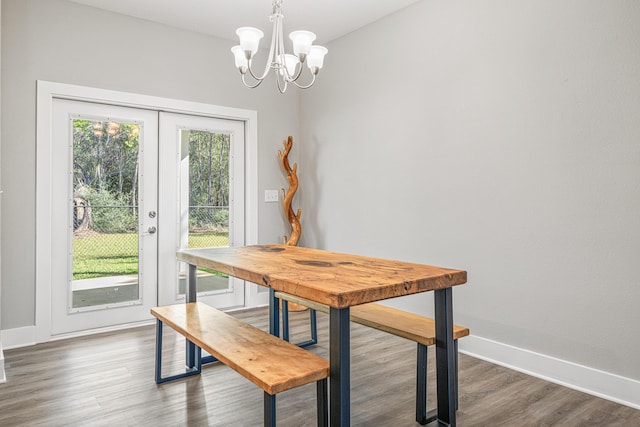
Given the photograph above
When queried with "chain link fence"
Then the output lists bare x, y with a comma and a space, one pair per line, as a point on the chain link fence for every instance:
105, 238
208, 226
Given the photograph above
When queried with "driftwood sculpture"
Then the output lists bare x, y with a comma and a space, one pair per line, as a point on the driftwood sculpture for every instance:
294, 219
292, 177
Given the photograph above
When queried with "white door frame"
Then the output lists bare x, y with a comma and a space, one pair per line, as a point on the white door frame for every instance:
46, 91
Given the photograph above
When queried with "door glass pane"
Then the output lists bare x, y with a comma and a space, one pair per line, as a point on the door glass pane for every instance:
205, 200
104, 214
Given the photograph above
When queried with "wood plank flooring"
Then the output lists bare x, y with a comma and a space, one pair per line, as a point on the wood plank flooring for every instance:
107, 380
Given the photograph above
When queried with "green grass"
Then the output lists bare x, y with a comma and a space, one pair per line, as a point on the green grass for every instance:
102, 255
208, 239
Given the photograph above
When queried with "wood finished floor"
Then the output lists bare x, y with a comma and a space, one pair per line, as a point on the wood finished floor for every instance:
107, 380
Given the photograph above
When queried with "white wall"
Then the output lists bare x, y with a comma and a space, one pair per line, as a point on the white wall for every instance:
65, 42
498, 137
2, 373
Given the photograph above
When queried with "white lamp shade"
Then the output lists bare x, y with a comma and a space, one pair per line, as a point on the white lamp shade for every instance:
291, 62
249, 38
316, 57
238, 54
302, 41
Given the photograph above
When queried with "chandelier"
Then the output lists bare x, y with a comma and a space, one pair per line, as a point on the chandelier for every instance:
288, 68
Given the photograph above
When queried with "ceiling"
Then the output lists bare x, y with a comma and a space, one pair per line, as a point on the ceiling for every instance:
329, 19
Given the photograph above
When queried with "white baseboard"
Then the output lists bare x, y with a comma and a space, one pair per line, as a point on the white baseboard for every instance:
26, 336
616, 388
18, 337
3, 377
84, 333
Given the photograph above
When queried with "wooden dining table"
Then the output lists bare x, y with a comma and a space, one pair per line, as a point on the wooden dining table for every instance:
340, 281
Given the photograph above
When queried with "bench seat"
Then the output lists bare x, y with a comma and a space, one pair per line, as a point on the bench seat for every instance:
407, 325
270, 363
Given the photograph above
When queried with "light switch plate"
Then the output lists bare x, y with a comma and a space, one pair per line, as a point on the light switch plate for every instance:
270, 195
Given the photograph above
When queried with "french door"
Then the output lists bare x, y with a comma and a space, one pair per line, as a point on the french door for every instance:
202, 198
103, 214
129, 187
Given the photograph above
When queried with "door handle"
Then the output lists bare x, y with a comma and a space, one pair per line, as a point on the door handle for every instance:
151, 230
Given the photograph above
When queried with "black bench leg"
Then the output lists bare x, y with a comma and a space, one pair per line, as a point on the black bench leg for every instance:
421, 385
158, 351
274, 314
195, 370
313, 324
455, 371
323, 405
285, 320
313, 327
269, 410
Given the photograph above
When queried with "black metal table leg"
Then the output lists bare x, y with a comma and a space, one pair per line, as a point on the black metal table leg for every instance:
445, 357
339, 365
191, 293
269, 410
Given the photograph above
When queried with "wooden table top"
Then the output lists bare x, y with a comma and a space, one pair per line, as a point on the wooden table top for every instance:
335, 279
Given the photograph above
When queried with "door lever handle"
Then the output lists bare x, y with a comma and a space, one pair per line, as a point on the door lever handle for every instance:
151, 230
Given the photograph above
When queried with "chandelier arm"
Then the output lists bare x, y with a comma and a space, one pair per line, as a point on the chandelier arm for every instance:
258, 81
299, 66
253, 75
267, 67
280, 52
279, 56
281, 83
281, 89
298, 73
276, 18
304, 86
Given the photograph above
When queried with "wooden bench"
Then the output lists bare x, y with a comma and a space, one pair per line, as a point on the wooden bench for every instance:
272, 364
407, 325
